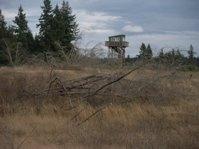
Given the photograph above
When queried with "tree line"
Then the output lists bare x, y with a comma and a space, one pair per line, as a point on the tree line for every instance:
57, 28
173, 57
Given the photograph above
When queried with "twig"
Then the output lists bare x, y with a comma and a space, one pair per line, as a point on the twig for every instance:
24, 140
93, 114
8, 52
76, 115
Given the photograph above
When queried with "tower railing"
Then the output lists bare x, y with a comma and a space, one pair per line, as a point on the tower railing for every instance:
117, 44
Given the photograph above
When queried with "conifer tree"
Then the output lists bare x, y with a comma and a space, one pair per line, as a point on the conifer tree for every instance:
174, 57
191, 55
142, 51
3, 28
179, 56
2, 35
22, 31
6, 35
161, 54
149, 52
57, 25
45, 25
70, 27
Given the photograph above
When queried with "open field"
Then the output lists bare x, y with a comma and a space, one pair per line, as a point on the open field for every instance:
161, 112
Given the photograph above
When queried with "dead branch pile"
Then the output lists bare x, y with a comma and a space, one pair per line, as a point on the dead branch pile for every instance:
83, 89
101, 91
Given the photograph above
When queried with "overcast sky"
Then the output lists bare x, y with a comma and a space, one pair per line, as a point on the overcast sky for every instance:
162, 23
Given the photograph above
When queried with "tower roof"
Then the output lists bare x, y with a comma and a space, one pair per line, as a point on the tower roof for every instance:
121, 35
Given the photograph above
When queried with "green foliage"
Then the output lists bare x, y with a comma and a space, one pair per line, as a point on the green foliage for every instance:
149, 52
22, 23
57, 25
142, 51
70, 27
191, 55
57, 30
45, 26
2, 35
3, 28
6, 35
190, 68
22, 31
161, 54
145, 52
173, 57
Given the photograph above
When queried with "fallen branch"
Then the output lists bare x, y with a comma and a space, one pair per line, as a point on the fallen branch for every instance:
92, 115
114, 81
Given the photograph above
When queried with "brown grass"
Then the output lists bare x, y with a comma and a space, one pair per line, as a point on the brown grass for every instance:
172, 122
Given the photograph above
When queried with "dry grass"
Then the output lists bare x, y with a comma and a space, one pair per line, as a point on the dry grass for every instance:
172, 122
138, 125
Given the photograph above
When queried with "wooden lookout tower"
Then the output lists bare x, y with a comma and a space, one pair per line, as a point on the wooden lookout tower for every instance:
117, 44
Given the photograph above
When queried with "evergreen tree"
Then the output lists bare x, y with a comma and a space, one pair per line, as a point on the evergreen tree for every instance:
161, 54
3, 28
179, 57
2, 35
174, 57
22, 31
143, 52
57, 25
45, 26
30, 41
149, 52
191, 55
70, 27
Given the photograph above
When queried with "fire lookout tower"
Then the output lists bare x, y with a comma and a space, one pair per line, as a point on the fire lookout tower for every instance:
117, 44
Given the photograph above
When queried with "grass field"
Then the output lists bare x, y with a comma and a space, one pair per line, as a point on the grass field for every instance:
165, 114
